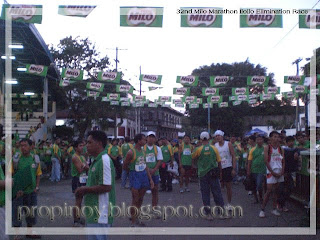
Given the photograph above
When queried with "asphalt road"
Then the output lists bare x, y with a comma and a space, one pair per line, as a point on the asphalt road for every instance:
59, 194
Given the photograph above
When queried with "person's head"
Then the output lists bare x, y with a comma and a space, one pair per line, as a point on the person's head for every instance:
290, 141
260, 140
175, 143
114, 142
204, 136
219, 136
283, 133
78, 145
244, 144
96, 142
57, 141
233, 139
180, 140
164, 141
151, 138
187, 139
127, 139
300, 138
274, 137
140, 140
25, 146
252, 140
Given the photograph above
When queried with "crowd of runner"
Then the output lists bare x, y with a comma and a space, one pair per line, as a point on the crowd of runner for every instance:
267, 166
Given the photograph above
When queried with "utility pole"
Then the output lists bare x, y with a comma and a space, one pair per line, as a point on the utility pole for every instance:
297, 61
138, 111
115, 117
209, 105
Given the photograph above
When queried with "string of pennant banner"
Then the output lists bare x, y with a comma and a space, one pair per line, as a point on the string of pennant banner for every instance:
239, 94
208, 17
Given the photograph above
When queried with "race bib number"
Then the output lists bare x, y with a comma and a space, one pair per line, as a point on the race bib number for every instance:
150, 158
83, 179
245, 155
140, 165
187, 151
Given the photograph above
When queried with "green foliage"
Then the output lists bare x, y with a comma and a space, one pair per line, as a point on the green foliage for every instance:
82, 54
231, 119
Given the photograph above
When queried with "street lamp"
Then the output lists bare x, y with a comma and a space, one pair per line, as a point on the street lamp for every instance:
208, 109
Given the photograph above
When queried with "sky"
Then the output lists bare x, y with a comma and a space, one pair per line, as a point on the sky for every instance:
173, 51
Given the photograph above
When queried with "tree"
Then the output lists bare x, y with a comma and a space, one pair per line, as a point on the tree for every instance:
82, 54
231, 119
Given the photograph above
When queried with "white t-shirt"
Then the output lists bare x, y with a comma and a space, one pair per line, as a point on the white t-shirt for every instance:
275, 161
224, 152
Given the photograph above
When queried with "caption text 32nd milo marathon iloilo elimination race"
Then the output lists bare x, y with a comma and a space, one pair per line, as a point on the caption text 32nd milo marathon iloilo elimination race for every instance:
240, 11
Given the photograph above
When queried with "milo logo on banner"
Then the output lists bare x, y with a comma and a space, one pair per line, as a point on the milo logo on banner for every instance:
164, 99
190, 99
252, 101
72, 73
218, 80
242, 97
214, 98
139, 98
257, 80
194, 105
223, 104
294, 79
125, 104
266, 97
260, 19
299, 89
197, 19
179, 105
239, 91
187, 80
26, 12
309, 19
113, 96
111, 76
272, 90
137, 16
150, 78
96, 86
210, 91
37, 69
177, 101
70, 10
181, 91
124, 88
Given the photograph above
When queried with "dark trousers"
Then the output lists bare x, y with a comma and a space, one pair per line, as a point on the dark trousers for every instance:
166, 178
118, 168
285, 189
23, 206
209, 184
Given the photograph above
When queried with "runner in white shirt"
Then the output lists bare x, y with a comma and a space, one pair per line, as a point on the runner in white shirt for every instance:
274, 159
228, 163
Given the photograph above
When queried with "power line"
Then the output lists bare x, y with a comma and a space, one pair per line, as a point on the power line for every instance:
292, 28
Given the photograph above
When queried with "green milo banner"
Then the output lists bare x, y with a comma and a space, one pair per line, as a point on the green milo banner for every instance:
74, 74
252, 96
113, 97
272, 90
288, 95
309, 18
75, 10
214, 99
232, 98
193, 105
156, 79
138, 98
113, 77
217, 81
264, 97
181, 91
236, 103
207, 105
188, 80
252, 101
258, 80
65, 82
95, 86
223, 104
299, 89
177, 101
93, 94
189, 99
141, 16
124, 89
152, 105
240, 91
179, 105
210, 91
125, 104
39, 70
114, 103
22, 13
257, 17
199, 100
138, 104
164, 99
242, 98
298, 80
201, 17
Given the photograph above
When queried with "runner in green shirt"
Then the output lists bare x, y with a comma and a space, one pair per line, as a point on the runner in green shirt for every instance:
140, 177
166, 177
99, 193
114, 153
185, 163
124, 150
256, 167
154, 160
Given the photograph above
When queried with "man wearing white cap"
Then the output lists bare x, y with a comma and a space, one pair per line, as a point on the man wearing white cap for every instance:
154, 159
209, 168
228, 163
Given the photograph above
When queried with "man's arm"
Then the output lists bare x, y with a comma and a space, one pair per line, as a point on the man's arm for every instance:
127, 160
150, 178
179, 156
78, 164
266, 157
234, 160
250, 158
